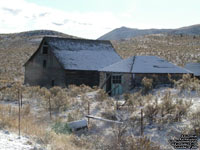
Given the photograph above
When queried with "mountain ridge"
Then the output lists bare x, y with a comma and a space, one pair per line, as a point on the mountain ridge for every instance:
127, 33
34, 33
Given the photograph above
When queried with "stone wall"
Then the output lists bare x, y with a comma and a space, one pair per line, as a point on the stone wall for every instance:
127, 83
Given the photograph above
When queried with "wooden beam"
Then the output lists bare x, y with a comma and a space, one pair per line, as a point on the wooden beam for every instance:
102, 119
105, 81
113, 89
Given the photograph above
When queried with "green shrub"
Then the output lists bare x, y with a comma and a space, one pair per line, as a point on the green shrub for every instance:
62, 128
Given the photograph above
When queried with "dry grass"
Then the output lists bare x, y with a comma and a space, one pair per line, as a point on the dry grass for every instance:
165, 109
36, 129
120, 140
16, 50
147, 85
195, 123
188, 84
39, 126
173, 48
29, 125
101, 95
170, 109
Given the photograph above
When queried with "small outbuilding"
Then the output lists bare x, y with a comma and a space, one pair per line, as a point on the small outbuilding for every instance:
128, 73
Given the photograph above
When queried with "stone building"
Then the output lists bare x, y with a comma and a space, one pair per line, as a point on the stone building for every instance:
126, 74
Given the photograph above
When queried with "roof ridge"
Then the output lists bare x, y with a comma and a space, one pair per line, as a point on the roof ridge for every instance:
134, 57
77, 39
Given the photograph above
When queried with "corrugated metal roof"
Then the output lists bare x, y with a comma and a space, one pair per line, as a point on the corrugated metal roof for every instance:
144, 64
193, 67
81, 54
121, 66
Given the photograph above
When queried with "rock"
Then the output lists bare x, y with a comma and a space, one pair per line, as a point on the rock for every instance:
29, 143
6, 132
36, 148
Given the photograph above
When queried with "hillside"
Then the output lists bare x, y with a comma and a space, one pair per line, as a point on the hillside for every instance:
17, 48
46, 113
125, 33
175, 48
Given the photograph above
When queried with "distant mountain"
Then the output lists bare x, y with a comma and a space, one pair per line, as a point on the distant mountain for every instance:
126, 33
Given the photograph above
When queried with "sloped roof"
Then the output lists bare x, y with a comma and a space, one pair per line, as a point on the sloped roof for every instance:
144, 64
193, 67
81, 54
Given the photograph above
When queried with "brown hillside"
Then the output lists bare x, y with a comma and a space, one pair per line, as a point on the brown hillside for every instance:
178, 49
15, 49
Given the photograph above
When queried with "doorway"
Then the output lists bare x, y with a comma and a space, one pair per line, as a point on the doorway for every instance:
116, 85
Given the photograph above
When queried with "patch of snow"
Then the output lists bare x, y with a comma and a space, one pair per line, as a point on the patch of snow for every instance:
11, 141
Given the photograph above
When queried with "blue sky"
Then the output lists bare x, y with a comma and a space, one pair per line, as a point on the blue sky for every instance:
93, 18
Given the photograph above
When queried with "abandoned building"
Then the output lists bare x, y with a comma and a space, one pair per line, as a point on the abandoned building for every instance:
128, 73
65, 61
194, 68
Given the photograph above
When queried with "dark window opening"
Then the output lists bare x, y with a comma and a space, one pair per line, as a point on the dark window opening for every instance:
44, 63
45, 50
117, 79
52, 83
45, 43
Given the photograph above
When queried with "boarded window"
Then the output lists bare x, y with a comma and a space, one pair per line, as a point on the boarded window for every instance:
117, 79
45, 50
44, 63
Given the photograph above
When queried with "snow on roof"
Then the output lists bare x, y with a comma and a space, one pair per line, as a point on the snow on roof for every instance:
121, 66
144, 64
193, 67
81, 54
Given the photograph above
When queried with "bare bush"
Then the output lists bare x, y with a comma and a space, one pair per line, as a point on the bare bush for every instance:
195, 122
147, 85
101, 95
188, 84
170, 109
121, 140
78, 90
